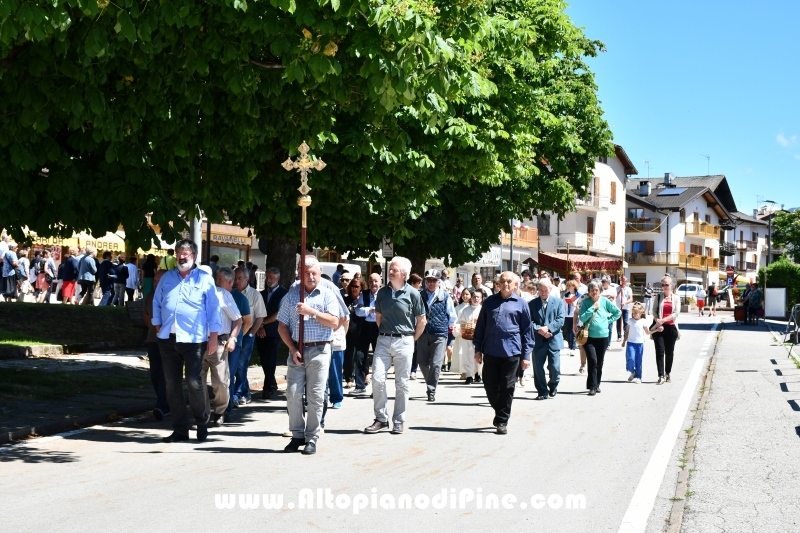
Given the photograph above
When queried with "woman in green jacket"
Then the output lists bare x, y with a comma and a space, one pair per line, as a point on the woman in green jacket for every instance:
605, 313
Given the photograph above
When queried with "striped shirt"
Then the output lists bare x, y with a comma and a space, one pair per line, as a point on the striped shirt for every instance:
228, 310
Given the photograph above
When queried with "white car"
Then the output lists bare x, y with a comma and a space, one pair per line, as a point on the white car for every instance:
687, 290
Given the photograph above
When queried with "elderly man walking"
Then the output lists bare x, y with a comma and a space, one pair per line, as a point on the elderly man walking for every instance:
503, 343
400, 316
547, 316
307, 370
187, 319
432, 343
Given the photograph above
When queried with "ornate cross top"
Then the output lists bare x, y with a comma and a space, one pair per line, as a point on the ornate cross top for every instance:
303, 165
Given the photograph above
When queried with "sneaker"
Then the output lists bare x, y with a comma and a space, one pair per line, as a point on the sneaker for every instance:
235, 401
502, 429
358, 392
632, 376
637, 380
413, 375
336, 405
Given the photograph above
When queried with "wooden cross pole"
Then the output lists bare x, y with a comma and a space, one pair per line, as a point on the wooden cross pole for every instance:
303, 165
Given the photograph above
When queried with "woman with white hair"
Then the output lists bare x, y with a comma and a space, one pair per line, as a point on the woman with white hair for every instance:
598, 314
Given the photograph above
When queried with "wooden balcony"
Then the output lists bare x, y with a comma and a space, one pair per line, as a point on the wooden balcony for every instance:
672, 259
695, 228
750, 246
643, 224
746, 266
523, 237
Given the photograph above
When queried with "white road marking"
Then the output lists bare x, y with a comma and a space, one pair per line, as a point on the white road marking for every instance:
635, 519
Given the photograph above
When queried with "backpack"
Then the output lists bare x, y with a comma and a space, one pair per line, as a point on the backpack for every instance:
715, 292
38, 266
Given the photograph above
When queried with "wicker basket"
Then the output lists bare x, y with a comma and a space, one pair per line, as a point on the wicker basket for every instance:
467, 331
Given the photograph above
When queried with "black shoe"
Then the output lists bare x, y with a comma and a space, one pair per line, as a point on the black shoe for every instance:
468, 381
376, 426
202, 432
214, 420
448, 366
176, 437
598, 390
159, 414
478, 378
294, 445
592, 392
444, 368
310, 448
553, 393
502, 429
431, 396
541, 397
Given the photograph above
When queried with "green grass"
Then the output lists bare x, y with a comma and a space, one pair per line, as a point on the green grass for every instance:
40, 385
30, 324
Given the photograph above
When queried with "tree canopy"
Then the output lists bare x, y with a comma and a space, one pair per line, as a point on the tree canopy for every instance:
111, 111
786, 233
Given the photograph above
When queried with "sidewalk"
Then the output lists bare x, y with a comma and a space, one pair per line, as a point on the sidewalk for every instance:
747, 458
21, 419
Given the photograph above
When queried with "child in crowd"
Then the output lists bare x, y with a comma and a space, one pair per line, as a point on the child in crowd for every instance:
635, 332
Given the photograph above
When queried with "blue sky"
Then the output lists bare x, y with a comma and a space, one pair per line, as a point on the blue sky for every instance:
680, 80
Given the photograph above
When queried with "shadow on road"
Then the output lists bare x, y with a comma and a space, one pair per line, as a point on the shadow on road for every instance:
452, 430
28, 454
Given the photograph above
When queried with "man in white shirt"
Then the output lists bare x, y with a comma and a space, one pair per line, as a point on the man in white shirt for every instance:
132, 283
240, 387
624, 300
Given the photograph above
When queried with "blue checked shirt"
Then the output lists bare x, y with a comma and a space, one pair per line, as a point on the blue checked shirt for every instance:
321, 299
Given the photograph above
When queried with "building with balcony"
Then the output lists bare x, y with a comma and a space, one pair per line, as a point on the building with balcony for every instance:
678, 226
750, 237
597, 226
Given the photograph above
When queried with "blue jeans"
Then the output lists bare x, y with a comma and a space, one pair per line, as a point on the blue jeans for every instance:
242, 387
108, 294
568, 334
233, 362
157, 376
633, 358
335, 376
622, 321
610, 330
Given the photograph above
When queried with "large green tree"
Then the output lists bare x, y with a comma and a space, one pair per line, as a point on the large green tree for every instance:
786, 233
111, 111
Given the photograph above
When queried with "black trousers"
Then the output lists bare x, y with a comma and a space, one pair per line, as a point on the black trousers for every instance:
665, 349
348, 368
175, 356
368, 336
595, 349
268, 358
499, 379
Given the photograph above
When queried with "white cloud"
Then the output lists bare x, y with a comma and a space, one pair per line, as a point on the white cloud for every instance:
786, 141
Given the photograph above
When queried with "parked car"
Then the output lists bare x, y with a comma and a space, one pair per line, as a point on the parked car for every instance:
687, 290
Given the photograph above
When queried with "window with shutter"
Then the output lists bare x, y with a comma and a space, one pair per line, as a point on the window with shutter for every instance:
651, 247
682, 247
612, 234
613, 192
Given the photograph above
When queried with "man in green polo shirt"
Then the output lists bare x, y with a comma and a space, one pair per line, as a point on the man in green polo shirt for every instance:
400, 315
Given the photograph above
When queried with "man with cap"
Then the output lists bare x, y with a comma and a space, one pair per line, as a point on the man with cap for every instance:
440, 316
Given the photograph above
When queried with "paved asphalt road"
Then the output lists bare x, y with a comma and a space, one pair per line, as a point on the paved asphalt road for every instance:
612, 449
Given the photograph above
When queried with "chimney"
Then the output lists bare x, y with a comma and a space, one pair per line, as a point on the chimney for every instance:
644, 188
755, 213
669, 177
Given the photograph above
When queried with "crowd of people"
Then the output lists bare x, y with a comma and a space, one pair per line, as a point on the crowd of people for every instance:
355, 330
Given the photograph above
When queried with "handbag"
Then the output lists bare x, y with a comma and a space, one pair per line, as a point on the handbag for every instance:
583, 333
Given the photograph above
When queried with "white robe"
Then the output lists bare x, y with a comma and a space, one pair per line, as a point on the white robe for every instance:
463, 347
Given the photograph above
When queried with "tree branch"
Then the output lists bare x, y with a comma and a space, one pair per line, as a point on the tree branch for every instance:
265, 65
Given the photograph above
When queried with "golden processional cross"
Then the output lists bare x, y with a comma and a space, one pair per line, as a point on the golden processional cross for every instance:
303, 165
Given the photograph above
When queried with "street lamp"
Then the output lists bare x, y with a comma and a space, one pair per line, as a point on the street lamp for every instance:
769, 233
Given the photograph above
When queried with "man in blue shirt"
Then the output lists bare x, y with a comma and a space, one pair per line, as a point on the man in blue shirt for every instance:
503, 342
308, 366
187, 319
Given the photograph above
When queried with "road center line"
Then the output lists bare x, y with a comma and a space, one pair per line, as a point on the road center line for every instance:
635, 519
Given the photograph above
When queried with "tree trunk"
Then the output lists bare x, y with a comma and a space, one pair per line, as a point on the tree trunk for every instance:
417, 258
283, 255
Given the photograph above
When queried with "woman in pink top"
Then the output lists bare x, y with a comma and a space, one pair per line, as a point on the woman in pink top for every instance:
665, 331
